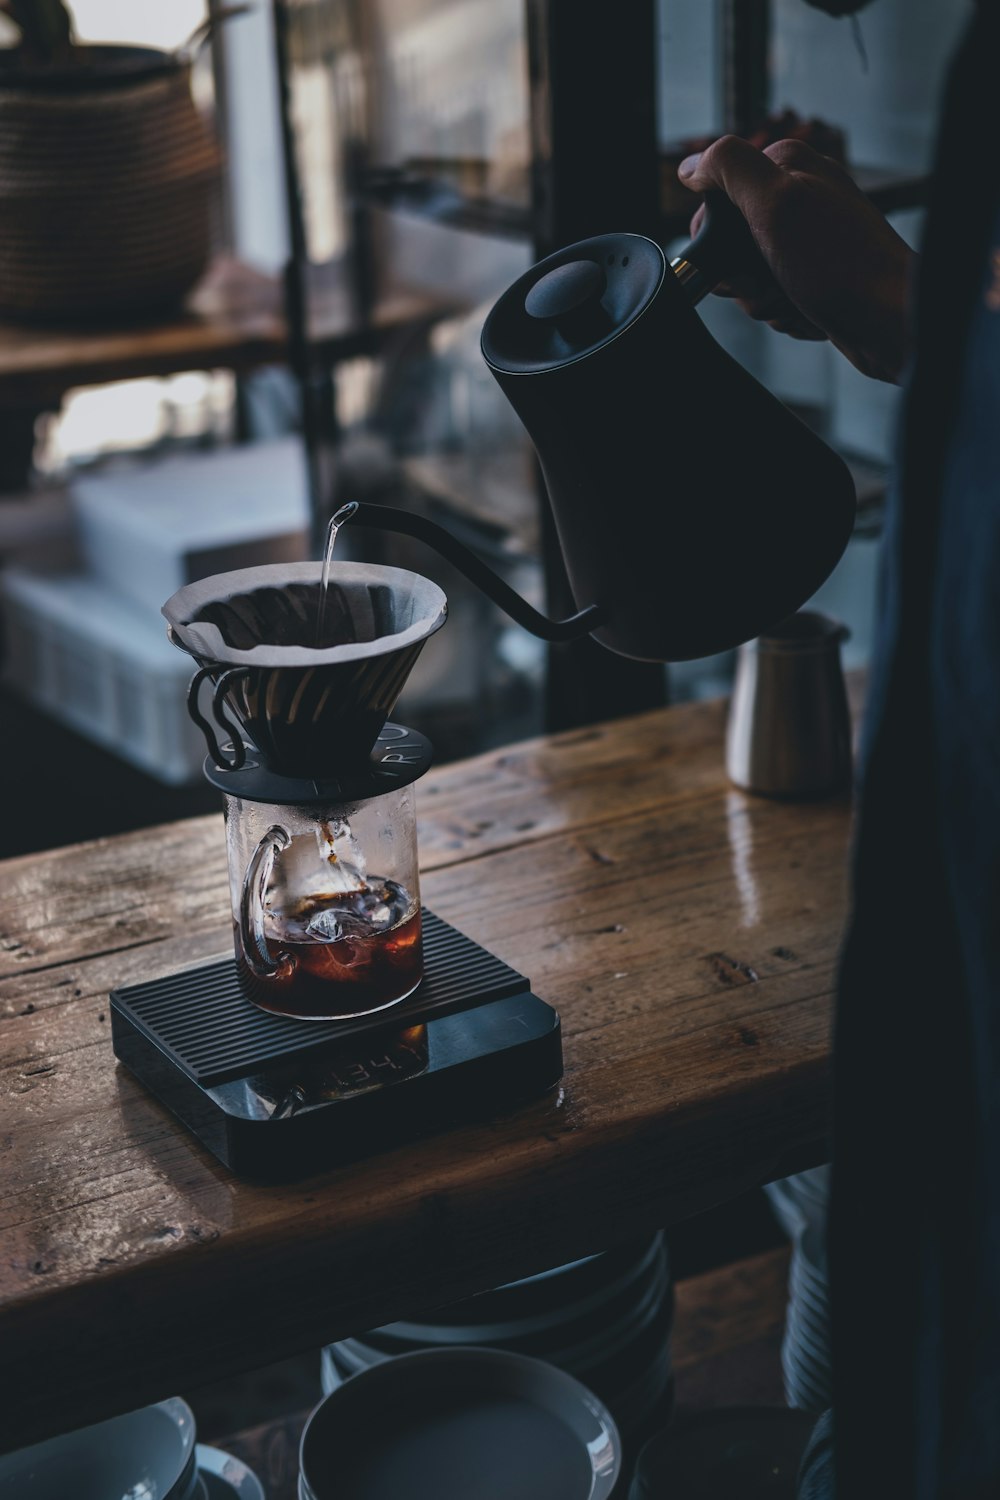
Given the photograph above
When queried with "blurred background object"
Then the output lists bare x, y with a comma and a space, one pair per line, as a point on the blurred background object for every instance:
381, 170
107, 172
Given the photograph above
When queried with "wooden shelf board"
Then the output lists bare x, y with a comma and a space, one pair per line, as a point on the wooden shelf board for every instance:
233, 320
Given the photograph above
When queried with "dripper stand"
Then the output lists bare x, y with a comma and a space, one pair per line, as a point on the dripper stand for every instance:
298, 735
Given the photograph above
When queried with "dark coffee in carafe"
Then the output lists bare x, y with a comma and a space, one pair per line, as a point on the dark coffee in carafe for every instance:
340, 955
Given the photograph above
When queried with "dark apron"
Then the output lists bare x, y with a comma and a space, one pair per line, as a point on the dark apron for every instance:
915, 1223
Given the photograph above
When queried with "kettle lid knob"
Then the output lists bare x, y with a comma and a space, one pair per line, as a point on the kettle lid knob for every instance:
565, 290
573, 303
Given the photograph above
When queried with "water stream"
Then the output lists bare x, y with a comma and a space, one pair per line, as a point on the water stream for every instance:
336, 521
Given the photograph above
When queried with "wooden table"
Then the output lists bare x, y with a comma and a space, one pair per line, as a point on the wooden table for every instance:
686, 932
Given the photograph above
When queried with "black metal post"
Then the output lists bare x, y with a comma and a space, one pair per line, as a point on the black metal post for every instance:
746, 32
17, 447
595, 169
595, 165
316, 385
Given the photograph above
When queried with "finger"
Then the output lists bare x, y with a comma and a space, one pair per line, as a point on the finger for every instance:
779, 314
796, 156
742, 172
726, 289
796, 329
767, 304
761, 290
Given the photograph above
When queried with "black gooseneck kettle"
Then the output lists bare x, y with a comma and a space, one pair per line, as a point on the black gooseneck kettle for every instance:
693, 509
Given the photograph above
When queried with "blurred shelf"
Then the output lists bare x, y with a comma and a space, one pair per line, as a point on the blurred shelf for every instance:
36, 527
455, 192
234, 319
495, 491
892, 191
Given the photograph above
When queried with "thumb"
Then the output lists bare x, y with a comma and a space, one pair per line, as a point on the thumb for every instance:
742, 172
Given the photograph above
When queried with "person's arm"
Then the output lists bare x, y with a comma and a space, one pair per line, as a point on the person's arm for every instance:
838, 270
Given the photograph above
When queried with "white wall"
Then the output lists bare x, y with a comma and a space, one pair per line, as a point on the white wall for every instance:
689, 69
888, 112
256, 174
153, 23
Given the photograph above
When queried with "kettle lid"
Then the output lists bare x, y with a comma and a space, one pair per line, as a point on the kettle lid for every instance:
572, 303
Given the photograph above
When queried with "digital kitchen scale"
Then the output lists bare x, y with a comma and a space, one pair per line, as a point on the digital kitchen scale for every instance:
276, 1098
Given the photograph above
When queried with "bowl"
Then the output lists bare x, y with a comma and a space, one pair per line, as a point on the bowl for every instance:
146, 1452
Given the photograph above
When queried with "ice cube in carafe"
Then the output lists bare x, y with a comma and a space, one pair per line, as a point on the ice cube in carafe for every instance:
362, 915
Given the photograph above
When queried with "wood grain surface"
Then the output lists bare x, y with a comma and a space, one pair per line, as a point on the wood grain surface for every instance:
686, 932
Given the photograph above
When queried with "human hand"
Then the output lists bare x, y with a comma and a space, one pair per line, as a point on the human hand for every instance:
837, 270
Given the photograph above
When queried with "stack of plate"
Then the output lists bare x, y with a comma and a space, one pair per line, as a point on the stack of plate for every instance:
800, 1203
605, 1320
149, 1452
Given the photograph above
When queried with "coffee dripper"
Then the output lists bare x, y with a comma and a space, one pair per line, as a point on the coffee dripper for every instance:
317, 786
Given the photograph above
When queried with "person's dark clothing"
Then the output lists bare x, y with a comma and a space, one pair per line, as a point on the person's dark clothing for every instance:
915, 1237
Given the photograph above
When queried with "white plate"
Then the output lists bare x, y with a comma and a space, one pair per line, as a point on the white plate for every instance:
554, 1318
226, 1477
596, 1340
498, 1425
584, 1360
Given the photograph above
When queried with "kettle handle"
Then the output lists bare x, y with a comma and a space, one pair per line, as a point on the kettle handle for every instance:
723, 247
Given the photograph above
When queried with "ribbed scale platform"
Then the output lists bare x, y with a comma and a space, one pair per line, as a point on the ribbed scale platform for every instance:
203, 1022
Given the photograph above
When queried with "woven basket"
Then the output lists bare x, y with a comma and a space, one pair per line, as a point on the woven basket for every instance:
105, 198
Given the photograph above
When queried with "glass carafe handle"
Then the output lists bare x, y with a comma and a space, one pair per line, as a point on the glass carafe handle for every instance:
258, 956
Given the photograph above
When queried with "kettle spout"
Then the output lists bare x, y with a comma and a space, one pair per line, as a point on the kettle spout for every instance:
406, 523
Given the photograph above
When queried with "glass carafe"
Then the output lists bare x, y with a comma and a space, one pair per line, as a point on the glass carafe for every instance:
326, 903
